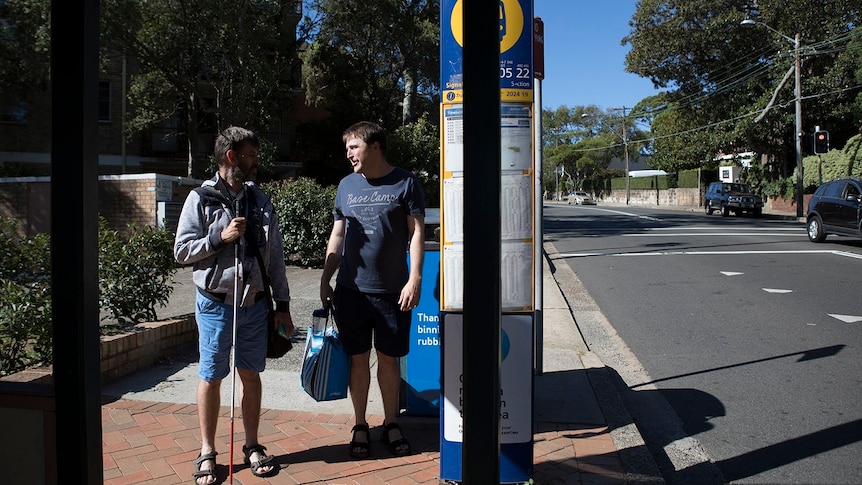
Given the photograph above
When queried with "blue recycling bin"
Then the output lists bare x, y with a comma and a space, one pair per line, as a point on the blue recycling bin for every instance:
422, 364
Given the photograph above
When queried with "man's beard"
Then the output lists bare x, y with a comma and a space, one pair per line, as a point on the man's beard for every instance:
236, 175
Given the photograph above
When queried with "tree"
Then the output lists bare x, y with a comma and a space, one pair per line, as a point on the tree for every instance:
416, 147
204, 64
374, 59
584, 139
720, 75
26, 45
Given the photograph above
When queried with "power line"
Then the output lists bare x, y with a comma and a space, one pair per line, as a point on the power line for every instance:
755, 66
711, 125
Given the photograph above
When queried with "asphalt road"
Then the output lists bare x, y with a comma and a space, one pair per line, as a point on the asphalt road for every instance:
736, 340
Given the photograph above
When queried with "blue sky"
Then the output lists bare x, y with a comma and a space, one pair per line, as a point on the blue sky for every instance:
584, 61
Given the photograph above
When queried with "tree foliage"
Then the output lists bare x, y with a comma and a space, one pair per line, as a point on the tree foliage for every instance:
230, 61
416, 147
26, 46
374, 60
579, 143
720, 75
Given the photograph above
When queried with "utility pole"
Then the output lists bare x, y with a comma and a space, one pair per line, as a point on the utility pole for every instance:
797, 93
626, 146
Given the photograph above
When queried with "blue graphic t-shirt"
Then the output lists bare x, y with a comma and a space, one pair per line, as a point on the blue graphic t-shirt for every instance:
376, 239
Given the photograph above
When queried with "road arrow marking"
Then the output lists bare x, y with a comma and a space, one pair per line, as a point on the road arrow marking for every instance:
731, 273
846, 318
776, 290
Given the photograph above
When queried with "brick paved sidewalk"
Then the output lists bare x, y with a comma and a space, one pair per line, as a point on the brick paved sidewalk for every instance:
156, 443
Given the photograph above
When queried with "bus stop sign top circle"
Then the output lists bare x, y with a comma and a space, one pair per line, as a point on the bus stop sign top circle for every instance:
511, 23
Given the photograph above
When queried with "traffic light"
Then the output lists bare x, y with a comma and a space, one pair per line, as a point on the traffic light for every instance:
821, 141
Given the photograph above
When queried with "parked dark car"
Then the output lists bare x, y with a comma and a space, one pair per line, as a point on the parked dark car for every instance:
734, 197
835, 208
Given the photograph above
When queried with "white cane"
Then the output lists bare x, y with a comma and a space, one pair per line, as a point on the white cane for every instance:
236, 301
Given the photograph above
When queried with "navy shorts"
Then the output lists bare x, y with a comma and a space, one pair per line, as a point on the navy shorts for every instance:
362, 317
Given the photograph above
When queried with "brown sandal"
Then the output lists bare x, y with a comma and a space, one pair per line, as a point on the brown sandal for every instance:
205, 473
257, 465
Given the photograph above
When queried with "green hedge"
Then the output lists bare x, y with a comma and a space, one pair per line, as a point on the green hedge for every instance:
688, 179
642, 183
304, 211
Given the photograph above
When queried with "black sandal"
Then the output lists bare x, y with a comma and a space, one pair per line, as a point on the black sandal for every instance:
205, 473
257, 465
360, 449
399, 447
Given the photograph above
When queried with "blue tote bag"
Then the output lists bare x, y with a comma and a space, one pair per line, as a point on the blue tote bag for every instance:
325, 365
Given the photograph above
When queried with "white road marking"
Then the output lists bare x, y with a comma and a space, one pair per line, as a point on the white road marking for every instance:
712, 228
731, 273
678, 234
712, 253
776, 290
846, 318
637, 216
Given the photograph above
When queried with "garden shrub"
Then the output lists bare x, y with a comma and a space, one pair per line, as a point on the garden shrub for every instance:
135, 271
25, 325
304, 211
831, 165
25, 299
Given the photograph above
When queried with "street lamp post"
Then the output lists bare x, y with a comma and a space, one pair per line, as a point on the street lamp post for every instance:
626, 146
797, 93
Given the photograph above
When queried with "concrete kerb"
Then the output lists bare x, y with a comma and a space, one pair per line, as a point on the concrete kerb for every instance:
639, 464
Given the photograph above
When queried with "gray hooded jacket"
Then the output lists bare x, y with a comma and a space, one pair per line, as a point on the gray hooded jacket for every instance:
206, 212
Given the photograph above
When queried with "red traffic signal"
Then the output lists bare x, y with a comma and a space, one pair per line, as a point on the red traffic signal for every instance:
821, 141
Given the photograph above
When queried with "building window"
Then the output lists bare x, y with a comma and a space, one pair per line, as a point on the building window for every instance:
104, 101
13, 106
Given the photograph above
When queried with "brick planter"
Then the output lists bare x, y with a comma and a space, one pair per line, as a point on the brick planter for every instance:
128, 352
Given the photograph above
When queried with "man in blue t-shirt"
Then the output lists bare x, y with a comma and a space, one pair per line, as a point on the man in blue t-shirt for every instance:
379, 218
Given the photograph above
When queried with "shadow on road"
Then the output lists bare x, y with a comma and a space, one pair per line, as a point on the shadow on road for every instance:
648, 409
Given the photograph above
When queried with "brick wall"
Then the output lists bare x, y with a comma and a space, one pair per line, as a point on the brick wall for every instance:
787, 206
126, 353
123, 199
123, 354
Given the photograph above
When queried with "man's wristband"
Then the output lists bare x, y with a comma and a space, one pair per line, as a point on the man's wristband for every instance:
281, 307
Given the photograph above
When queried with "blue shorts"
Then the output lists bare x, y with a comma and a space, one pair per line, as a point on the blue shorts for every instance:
215, 337
362, 317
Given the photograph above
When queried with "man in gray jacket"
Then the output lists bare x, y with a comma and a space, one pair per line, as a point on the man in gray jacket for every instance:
226, 211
